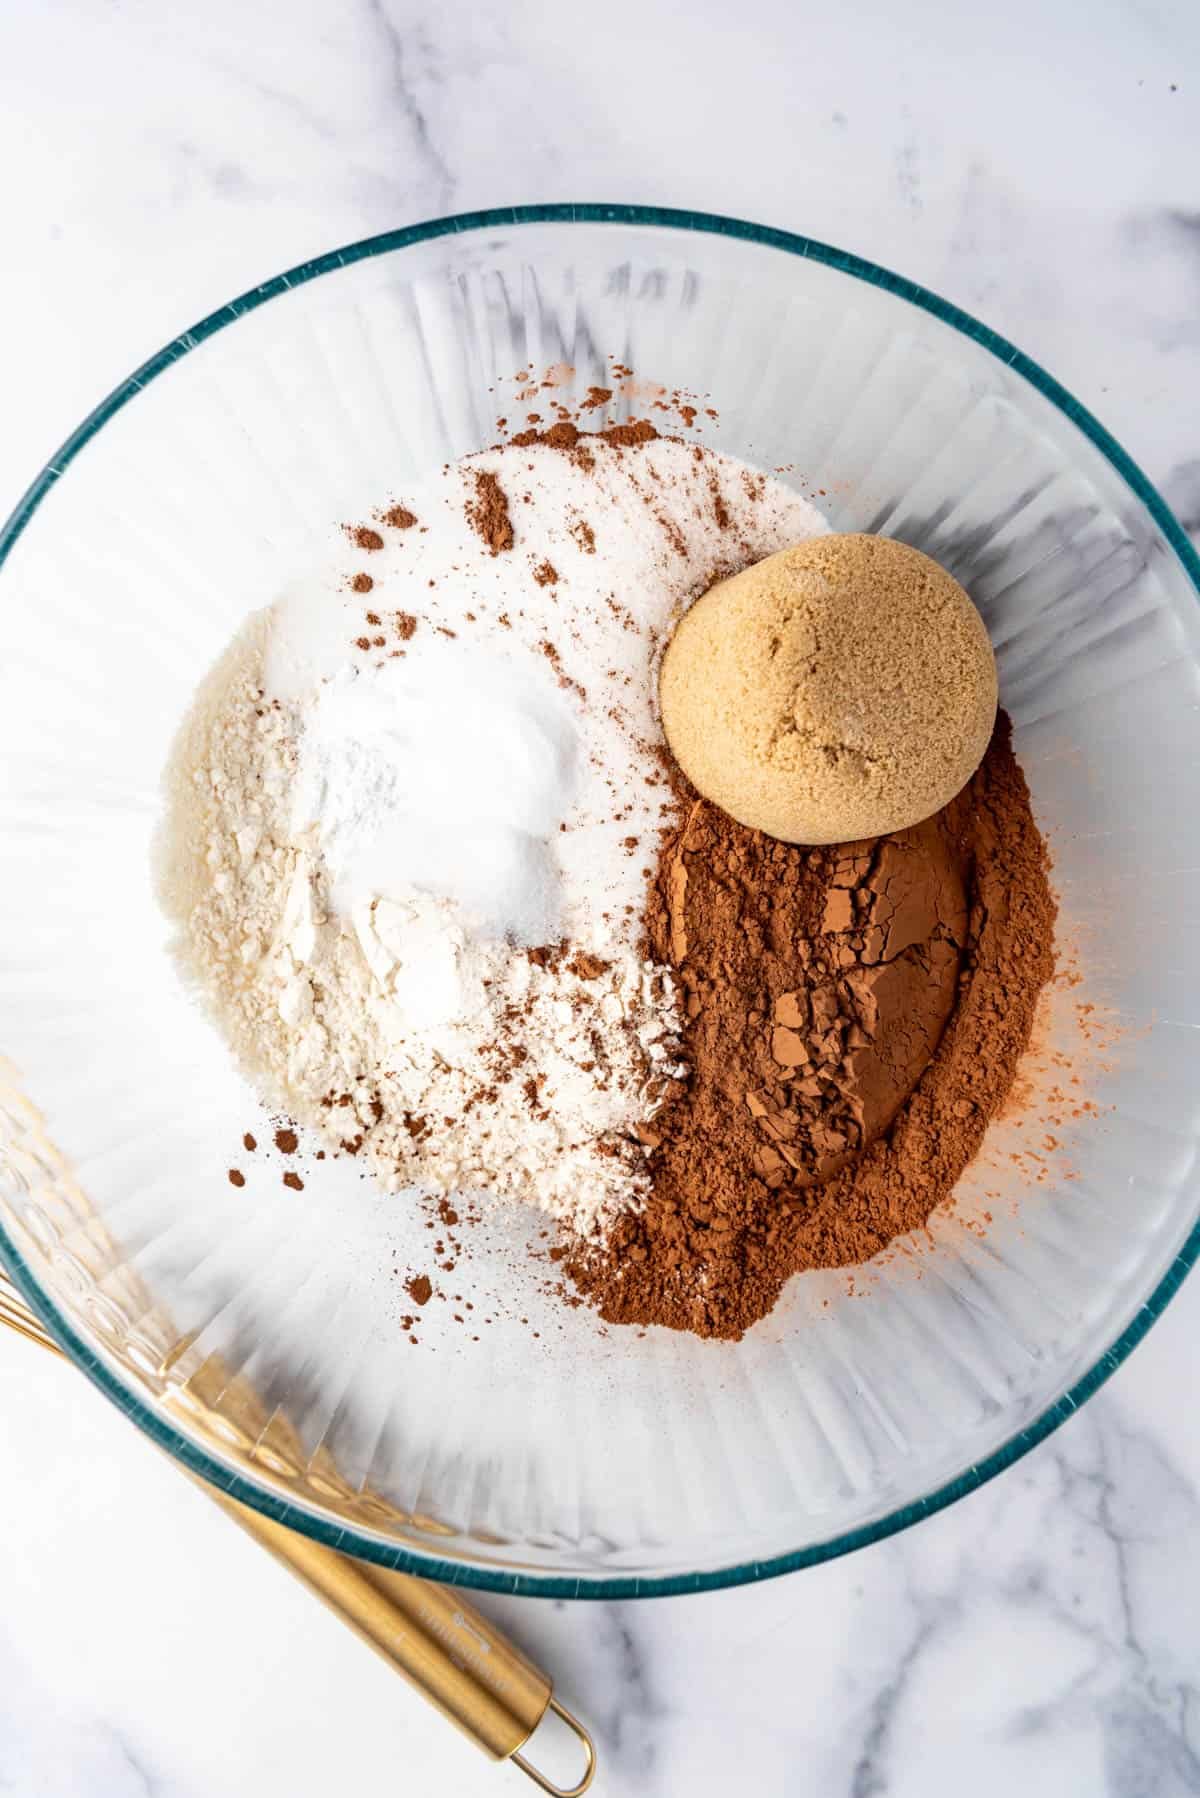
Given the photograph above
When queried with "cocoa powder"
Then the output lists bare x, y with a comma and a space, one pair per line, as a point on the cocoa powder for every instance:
488, 513
854, 1017
568, 436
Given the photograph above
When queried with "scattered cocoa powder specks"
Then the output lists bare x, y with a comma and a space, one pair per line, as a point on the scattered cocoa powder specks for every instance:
546, 574
249, 1143
586, 966
294, 1182
550, 651
361, 583
286, 1141
637, 430
373, 618
236, 1177
406, 626
488, 513
399, 518
545, 955
364, 537
419, 1289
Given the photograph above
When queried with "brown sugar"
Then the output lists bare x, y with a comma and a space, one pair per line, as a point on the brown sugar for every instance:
844, 687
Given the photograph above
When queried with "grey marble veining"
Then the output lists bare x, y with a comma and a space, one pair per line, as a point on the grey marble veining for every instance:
1039, 166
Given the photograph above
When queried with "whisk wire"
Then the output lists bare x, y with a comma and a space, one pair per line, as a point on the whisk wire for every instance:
16, 1315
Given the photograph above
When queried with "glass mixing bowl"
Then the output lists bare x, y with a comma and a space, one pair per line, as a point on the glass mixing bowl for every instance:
256, 1334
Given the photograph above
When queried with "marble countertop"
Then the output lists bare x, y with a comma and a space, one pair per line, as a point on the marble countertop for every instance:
1039, 164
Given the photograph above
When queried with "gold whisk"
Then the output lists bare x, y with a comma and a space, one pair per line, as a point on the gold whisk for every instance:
438, 1642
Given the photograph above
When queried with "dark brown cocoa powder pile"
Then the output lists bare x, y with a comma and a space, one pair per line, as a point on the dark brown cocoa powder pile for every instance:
854, 1018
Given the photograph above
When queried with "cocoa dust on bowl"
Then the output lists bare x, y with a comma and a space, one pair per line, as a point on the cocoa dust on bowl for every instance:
436, 878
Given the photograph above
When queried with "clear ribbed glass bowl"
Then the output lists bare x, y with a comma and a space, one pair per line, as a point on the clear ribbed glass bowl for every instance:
256, 1333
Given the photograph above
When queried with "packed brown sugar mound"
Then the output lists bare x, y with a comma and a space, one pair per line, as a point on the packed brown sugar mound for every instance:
854, 1018
842, 688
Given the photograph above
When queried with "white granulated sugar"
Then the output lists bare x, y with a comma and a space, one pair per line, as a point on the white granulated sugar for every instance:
409, 831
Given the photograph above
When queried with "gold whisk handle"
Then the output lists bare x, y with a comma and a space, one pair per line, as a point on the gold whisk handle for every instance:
431, 1636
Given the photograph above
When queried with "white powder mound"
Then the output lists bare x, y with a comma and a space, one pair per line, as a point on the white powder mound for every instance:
449, 732
409, 830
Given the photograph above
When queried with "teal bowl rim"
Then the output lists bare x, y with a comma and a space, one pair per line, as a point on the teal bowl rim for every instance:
531, 1583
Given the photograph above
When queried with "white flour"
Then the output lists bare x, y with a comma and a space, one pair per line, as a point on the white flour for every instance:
364, 843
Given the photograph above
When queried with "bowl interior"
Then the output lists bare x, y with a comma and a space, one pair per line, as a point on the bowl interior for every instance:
257, 1332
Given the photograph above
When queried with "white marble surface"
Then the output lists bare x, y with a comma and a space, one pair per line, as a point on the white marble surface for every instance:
1038, 163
